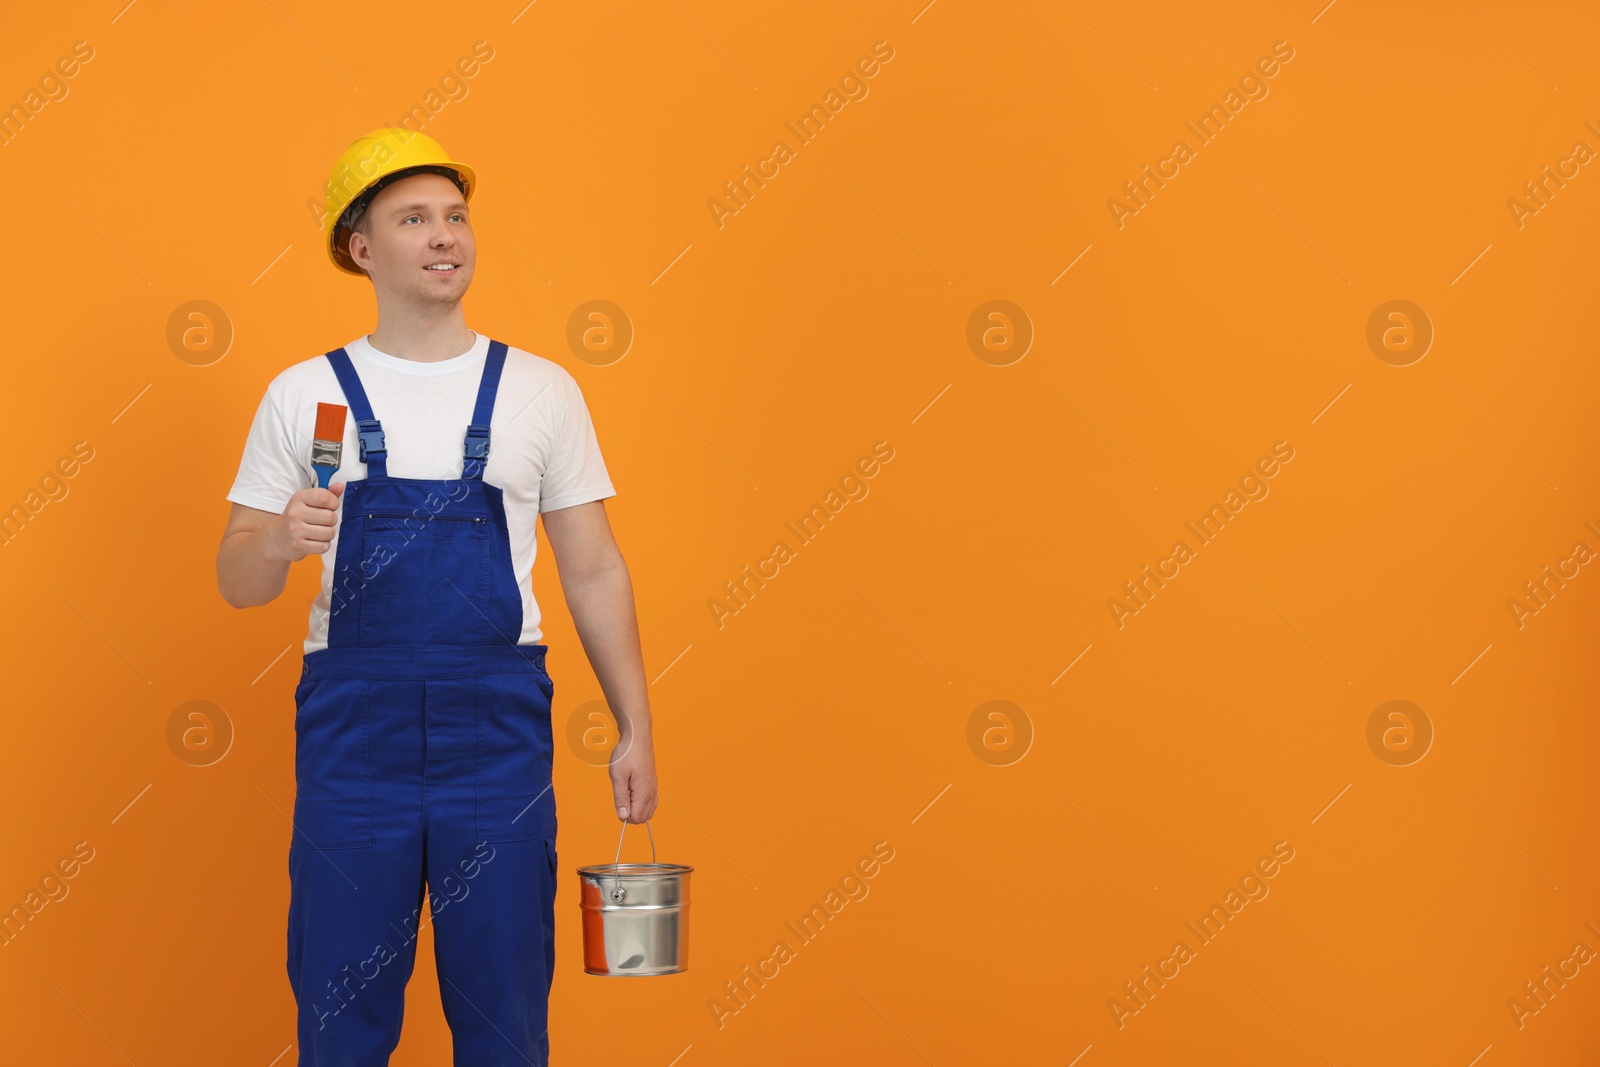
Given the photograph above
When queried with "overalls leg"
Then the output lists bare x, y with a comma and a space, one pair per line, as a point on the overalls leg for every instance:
494, 938
356, 868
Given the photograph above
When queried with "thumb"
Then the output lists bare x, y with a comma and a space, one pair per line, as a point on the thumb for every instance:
619, 794
337, 489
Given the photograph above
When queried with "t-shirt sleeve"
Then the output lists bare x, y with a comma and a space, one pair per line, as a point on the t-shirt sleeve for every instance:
575, 473
271, 469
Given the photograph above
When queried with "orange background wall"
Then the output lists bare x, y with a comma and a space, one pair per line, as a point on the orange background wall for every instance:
1043, 858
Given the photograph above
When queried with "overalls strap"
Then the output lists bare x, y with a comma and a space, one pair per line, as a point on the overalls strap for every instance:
476, 454
369, 431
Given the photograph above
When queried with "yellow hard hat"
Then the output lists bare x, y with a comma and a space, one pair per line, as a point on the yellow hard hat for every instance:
369, 164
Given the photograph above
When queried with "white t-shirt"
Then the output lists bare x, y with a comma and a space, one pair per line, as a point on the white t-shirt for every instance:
543, 452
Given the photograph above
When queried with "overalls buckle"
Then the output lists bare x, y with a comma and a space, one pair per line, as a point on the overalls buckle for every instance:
369, 433
477, 442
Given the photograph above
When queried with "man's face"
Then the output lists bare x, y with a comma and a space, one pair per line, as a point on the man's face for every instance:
415, 223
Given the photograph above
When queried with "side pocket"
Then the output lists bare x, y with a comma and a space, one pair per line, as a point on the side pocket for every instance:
516, 800
547, 914
333, 784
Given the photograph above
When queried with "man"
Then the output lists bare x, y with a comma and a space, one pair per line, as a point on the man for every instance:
423, 741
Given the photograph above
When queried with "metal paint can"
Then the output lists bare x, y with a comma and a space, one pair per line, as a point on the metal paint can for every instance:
635, 915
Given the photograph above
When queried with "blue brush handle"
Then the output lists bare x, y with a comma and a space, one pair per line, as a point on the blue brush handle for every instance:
324, 474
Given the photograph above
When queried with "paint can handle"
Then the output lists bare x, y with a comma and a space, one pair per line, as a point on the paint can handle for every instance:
617, 892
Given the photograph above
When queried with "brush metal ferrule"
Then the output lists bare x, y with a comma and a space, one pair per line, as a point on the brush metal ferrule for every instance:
325, 453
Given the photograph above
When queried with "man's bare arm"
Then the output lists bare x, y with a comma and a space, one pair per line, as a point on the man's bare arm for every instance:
599, 594
258, 546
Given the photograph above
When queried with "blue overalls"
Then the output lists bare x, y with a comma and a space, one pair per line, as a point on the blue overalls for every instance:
423, 754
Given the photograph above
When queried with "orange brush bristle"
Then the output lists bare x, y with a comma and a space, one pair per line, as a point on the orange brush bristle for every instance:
330, 422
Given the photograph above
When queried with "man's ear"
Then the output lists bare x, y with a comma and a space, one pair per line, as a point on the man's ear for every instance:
365, 269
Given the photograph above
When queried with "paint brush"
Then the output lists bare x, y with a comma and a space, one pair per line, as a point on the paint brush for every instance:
328, 441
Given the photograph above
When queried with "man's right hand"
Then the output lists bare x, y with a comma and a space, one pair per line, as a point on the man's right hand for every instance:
307, 525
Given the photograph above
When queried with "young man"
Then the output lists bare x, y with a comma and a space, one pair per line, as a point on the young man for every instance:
423, 740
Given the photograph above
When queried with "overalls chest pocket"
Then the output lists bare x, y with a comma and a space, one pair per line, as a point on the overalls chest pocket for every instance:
422, 578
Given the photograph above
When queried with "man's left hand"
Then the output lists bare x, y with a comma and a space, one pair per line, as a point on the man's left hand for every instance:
633, 778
